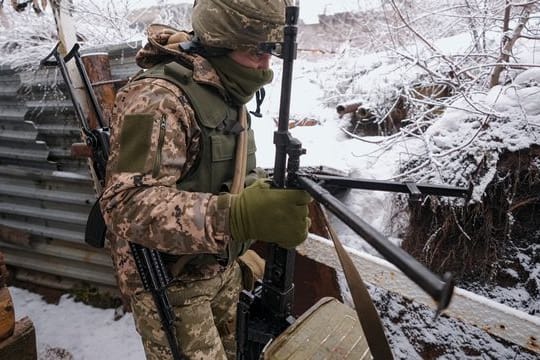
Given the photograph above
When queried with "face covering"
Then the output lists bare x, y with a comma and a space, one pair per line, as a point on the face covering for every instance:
239, 81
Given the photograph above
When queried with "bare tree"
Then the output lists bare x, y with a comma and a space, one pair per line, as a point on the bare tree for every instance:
510, 36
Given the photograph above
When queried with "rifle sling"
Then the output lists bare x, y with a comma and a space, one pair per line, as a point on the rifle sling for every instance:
240, 165
366, 311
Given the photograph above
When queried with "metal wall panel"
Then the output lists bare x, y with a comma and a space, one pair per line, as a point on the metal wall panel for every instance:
45, 193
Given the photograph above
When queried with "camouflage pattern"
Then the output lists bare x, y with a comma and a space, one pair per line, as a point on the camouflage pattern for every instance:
163, 46
205, 312
142, 203
151, 210
239, 24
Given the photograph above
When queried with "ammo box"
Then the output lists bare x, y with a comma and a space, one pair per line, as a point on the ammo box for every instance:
328, 330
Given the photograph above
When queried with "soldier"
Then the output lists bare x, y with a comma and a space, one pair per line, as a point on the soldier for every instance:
174, 134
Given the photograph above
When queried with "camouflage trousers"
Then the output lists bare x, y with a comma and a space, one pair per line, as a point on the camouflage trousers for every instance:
205, 323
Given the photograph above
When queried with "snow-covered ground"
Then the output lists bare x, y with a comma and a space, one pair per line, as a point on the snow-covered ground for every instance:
74, 331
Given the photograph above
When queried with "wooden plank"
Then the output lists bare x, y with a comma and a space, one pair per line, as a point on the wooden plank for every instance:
65, 26
99, 72
22, 344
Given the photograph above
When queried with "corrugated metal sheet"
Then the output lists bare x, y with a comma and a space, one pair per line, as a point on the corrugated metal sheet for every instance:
45, 193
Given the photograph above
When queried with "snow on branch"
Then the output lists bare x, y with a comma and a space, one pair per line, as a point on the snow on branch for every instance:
27, 36
459, 136
429, 44
509, 39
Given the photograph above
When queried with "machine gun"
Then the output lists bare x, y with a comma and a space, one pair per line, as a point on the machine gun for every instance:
266, 312
150, 266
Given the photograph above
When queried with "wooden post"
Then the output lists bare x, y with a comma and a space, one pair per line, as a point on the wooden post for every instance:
99, 72
7, 315
22, 344
62, 11
3, 271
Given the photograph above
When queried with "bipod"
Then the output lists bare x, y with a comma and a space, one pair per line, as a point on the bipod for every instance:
440, 289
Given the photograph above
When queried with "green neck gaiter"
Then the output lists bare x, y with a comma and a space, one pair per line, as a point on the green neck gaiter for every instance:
240, 82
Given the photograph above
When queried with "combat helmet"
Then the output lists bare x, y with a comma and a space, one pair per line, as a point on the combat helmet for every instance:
238, 24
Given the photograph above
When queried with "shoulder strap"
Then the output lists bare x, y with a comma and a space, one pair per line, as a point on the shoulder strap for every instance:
240, 165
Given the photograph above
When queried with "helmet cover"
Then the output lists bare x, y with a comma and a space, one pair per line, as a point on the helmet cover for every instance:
239, 24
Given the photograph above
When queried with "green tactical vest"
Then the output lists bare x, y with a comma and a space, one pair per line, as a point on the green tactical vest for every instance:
213, 170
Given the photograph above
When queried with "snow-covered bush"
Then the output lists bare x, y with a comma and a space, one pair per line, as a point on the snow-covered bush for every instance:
485, 134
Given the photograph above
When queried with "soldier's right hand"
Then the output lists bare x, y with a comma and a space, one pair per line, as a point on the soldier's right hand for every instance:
263, 213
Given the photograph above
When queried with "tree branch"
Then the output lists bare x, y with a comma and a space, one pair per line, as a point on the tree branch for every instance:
507, 45
423, 39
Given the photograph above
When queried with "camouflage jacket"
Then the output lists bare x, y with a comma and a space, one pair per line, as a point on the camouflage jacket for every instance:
149, 210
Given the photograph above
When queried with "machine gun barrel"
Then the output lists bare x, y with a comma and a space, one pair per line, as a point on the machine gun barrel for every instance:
381, 185
266, 312
278, 287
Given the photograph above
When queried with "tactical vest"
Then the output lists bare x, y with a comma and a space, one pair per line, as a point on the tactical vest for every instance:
213, 170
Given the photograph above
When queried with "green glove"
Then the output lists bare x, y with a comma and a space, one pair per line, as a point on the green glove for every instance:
268, 214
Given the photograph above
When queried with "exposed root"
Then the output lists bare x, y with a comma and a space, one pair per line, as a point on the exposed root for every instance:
477, 241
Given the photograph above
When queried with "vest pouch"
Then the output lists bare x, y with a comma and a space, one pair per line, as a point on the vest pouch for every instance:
220, 144
223, 149
327, 330
215, 164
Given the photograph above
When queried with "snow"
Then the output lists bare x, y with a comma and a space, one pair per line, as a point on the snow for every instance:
319, 85
86, 332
